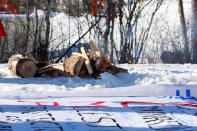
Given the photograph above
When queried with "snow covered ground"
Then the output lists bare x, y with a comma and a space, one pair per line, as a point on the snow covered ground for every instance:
139, 75
153, 97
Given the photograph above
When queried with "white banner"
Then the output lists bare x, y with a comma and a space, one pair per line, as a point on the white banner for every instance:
99, 114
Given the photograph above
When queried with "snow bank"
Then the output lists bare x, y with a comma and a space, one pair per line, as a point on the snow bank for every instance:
142, 80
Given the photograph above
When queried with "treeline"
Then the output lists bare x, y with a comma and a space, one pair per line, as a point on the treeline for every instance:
73, 7
122, 28
34, 34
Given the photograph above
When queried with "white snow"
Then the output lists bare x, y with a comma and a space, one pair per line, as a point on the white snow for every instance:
139, 75
141, 80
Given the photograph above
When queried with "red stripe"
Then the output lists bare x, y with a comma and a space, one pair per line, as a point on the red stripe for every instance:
2, 31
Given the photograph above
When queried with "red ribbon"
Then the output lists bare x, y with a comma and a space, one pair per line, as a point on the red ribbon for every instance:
2, 31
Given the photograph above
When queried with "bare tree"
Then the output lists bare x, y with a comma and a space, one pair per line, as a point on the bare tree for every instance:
41, 46
133, 35
184, 31
35, 44
126, 34
44, 48
194, 31
108, 25
28, 23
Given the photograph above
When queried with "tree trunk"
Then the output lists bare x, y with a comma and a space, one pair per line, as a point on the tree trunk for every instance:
121, 29
28, 24
43, 45
47, 19
35, 44
107, 30
22, 67
112, 33
194, 31
184, 31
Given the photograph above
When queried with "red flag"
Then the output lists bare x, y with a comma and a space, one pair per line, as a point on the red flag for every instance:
2, 31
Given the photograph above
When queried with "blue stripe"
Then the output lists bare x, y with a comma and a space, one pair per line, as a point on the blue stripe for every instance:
177, 92
188, 93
